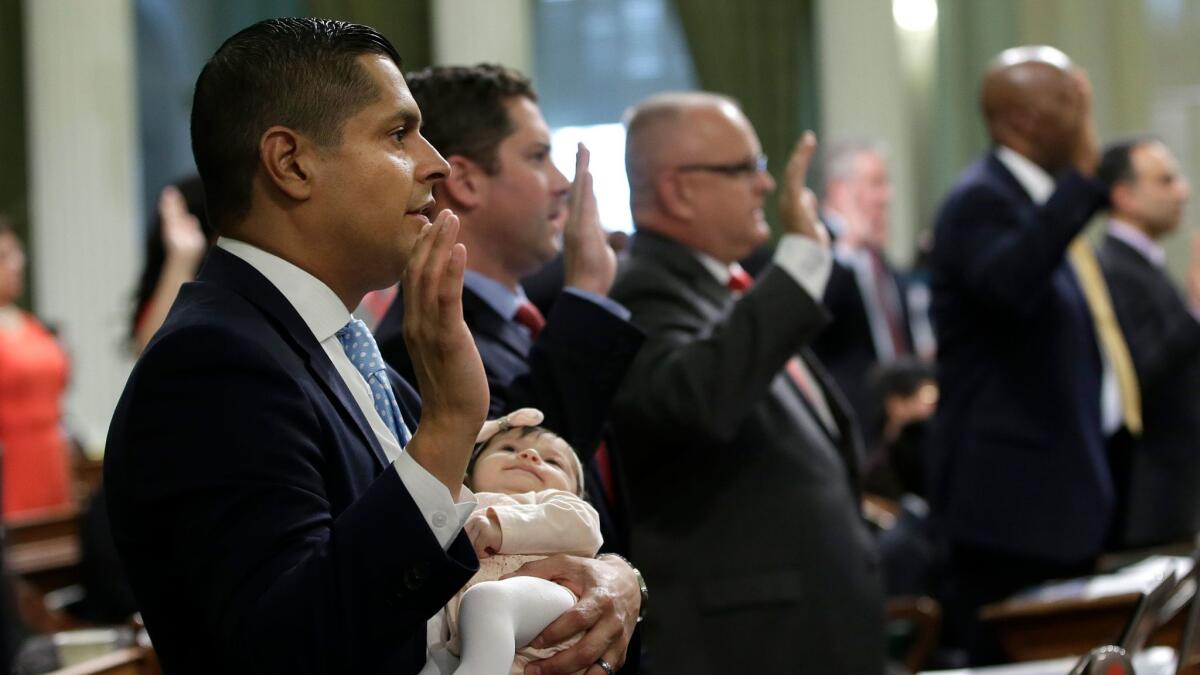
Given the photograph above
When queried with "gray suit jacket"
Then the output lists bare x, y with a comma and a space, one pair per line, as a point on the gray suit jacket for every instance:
747, 523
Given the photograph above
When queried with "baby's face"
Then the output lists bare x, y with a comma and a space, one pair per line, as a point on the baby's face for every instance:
513, 464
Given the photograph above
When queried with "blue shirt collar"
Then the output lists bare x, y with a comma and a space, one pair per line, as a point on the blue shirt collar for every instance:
495, 294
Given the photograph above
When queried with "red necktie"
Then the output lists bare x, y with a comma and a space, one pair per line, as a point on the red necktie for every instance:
891, 313
529, 316
604, 468
739, 280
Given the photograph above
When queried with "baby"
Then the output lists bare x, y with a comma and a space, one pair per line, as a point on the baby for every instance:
528, 483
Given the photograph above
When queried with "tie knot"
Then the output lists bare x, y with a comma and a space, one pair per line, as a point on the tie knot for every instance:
739, 280
360, 347
530, 316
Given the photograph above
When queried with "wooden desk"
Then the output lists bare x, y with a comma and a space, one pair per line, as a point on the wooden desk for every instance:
1031, 629
40, 525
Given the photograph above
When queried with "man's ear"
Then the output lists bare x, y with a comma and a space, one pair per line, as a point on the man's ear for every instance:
1120, 197
674, 194
467, 186
288, 159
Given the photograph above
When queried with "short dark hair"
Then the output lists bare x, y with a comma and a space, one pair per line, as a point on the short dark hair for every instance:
300, 73
1116, 163
463, 108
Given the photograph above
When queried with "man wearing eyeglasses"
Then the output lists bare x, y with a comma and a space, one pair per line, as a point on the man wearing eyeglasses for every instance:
759, 557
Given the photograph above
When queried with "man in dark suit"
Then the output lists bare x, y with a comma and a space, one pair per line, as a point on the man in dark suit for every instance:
272, 508
1162, 328
1020, 481
515, 205
741, 457
864, 294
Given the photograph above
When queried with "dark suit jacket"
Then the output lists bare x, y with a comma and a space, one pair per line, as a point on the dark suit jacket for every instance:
570, 373
1164, 341
747, 522
847, 348
261, 525
1019, 463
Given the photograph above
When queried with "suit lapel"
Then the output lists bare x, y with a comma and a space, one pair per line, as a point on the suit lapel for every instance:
484, 320
848, 442
225, 269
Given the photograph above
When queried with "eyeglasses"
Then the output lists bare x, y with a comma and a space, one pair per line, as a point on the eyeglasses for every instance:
749, 167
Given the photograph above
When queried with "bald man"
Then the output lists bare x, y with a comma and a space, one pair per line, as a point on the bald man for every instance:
742, 458
1021, 477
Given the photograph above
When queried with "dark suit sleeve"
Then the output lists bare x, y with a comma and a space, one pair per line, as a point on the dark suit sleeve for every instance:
575, 368
227, 455
1005, 262
1162, 334
699, 380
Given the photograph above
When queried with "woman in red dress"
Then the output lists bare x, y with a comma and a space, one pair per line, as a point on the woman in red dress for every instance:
33, 375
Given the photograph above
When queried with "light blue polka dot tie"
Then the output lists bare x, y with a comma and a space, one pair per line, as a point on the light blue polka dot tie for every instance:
359, 345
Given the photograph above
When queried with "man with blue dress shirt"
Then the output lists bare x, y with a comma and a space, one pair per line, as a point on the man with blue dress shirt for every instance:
517, 211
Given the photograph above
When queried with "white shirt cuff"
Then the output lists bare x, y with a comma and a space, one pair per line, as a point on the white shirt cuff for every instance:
808, 262
615, 308
445, 517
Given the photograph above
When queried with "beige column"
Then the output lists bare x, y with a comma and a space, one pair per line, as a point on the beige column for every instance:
83, 191
862, 80
466, 32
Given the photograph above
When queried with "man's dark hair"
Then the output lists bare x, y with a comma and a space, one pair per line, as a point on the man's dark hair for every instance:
299, 73
463, 108
1116, 164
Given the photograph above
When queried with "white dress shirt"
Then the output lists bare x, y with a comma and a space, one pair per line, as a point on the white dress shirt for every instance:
325, 315
1040, 186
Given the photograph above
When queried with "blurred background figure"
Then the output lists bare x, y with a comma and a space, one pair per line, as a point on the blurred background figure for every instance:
175, 245
1033, 398
870, 315
906, 395
33, 375
1162, 328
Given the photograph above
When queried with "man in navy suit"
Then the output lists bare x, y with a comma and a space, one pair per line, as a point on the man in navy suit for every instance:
1162, 327
274, 501
515, 207
1021, 481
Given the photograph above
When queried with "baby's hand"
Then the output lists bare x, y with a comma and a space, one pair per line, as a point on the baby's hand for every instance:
484, 532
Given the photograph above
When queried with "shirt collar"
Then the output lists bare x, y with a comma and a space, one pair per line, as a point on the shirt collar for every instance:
495, 294
1138, 241
315, 302
1037, 183
720, 271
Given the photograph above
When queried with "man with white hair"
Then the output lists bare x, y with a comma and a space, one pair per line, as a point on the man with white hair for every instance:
865, 294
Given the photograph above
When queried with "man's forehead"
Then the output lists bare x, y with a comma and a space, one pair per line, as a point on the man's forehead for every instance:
719, 128
526, 119
1153, 156
391, 89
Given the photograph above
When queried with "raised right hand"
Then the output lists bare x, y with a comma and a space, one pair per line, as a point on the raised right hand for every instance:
183, 239
589, 263
450, 375
797, 203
